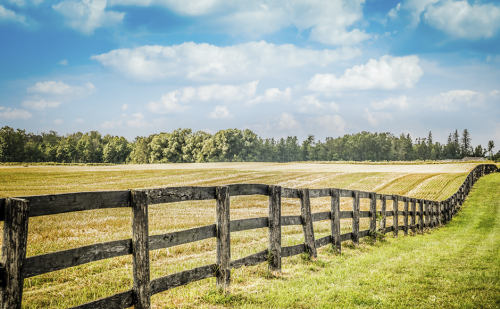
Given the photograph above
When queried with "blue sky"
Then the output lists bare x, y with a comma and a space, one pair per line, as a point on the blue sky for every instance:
279, 68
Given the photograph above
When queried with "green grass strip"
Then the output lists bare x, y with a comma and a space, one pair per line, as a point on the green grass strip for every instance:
455, 266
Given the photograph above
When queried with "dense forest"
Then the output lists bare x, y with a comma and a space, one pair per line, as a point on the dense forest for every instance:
231, 145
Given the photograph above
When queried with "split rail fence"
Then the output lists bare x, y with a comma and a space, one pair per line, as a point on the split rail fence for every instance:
15, 212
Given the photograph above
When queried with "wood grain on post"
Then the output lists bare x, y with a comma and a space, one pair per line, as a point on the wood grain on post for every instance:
413, 215
140, 250
405, 219
384, 214
355, 217
335, 204
15, 238
373, 214
395, 220
275, 228
223, 238
307, 224
421, 216
440, 213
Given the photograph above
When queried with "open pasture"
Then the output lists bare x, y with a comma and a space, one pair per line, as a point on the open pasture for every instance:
87, 282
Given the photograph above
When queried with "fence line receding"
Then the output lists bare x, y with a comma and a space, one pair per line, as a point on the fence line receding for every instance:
15, 213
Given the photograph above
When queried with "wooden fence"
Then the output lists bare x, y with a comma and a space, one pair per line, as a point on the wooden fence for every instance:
15, 212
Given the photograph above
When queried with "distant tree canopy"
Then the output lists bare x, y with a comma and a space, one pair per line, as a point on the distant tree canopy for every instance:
231, 145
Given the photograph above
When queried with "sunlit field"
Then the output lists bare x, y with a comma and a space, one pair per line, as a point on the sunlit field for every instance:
84, 283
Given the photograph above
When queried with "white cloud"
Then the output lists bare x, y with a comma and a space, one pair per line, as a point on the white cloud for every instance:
273, 95
60, 88
79, 120
287, 122
125, 106
6, 14
334, 124
401, 103
64, 62
58, 121
454, 99
461, 20
139, 121
87, 15
175, 101
416, 8
111, 124
9, 113
494, 94
17, 2
491, 58
51, 94
375, 118
208, 62
326, 21
220, 112
386, 73
40, 104
393, 13
310, 103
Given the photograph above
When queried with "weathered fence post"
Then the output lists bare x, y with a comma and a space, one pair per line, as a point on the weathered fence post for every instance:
140, 249
427, 214
421, 216
355, 217
395, 214
275, 229
307, 224
15, 238
405, 223
223, 238
383, 205
413, 215
335, 204
373, 214
440, 213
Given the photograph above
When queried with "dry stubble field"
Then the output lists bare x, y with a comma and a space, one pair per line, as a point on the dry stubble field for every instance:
84, 283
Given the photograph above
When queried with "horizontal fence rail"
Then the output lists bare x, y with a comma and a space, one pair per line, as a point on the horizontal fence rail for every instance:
15, 212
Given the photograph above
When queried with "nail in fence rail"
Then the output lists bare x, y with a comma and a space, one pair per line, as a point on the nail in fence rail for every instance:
15, 213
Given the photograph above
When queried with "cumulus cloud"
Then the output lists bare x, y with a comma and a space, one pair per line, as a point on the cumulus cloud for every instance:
286, 121
175, 101
79, 120
454, 99
416, 8
87, 15
310, 103
334, 123
51, 94
60, 88
376, 118
138, 121
204, 62
220, 112
386, 73
326, 21
461, 20
8, 15
273, 95
40, 104
63, 62
401, 103
9, 113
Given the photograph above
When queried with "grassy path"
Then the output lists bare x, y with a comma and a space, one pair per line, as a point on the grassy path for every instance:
455, 266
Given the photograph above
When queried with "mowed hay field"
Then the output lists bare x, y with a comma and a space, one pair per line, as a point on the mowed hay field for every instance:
84, 283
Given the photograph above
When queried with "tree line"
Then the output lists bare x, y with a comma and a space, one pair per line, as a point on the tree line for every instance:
231, 145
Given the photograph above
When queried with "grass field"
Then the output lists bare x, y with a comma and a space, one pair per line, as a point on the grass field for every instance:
87, 282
